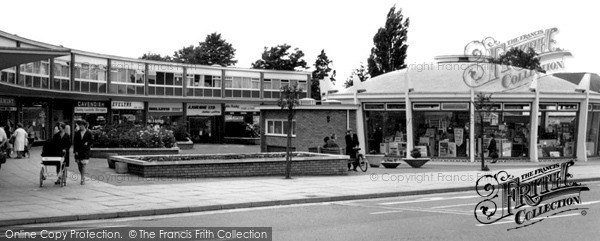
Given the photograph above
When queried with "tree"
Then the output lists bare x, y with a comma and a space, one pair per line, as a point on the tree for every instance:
288, 100
214, 50
483, 104
519, 58
185, 55
361, 74
156, 57
278, 58
322, 69
389, 51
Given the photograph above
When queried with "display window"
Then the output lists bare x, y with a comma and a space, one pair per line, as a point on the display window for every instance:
556, 129
510, 123
592, 133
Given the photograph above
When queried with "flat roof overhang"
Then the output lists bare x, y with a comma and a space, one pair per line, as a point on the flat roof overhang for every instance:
11, 57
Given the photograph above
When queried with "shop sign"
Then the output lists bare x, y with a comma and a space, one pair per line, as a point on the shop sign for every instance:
203, 109
90, 107
165, 107
90, 110
4, 108
7, 101
127, 105
234, 118
91, 104
239, 108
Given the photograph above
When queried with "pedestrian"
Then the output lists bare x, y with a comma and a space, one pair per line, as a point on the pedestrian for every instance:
3, 144
62, 142
493, 151
30, 139
20, 136
9, 143
351, 148
83, 141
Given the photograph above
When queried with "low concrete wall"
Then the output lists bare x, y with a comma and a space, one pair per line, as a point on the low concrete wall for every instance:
185, 145
318, 164
103, 152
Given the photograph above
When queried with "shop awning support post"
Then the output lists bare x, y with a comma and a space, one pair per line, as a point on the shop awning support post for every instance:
472, 141
409, 118
584, 86
533, 132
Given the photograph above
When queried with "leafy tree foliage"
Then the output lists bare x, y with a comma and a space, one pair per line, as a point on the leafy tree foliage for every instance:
361, 74
523, 59
214, 50
389, 51
279, 58
156, 57
322, 69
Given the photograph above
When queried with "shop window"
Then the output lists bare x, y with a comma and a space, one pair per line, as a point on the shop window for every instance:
178, 79
395, 106
441, 133
386, 129
302, 85
455, 106
228, 82
374, 106
280, 127
169, 79
285, 82
425, 106
557, 134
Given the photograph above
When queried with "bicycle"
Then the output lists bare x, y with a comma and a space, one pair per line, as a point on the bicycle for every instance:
363, 163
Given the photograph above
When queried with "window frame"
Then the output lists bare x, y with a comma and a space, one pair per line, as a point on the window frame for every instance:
270, 132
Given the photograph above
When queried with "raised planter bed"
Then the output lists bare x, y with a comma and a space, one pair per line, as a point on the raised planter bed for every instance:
416, 162
103, 152
390, 164
242, 140
185, 145
234, 165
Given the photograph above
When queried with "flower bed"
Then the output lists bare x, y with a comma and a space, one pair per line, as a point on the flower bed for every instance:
132, 136
233, 165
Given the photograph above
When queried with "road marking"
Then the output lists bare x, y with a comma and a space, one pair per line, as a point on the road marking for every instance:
457, 205
384, 212
430, 200
505, 222
415, 209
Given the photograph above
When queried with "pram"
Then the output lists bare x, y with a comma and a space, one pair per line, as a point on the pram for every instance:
51, 157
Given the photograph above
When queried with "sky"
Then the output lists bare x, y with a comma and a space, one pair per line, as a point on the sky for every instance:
344, 29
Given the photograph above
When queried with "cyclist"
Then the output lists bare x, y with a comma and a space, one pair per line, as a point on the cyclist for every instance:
351, 148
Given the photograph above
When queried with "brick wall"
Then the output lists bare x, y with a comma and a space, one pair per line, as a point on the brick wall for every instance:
243, 169
311, 127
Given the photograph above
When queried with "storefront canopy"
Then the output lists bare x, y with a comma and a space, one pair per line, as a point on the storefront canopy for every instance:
461, 78
10, 57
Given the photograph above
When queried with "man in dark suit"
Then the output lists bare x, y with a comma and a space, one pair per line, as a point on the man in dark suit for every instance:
351, 144
83, 141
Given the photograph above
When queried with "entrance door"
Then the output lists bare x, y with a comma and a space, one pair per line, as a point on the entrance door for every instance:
202, 129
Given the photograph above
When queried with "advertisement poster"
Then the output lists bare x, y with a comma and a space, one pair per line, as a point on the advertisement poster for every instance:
458, 136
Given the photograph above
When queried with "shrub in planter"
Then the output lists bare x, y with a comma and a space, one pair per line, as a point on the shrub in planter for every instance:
132, 136
415, 153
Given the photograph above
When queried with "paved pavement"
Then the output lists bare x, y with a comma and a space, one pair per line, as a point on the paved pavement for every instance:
110, 195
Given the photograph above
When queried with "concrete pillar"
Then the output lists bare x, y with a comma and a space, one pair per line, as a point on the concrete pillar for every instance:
472, 140
360, 130
582, 128
533, 133
409, 119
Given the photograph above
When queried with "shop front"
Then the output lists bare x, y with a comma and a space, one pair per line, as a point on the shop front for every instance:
94, 112
8, 112
127, 112
441, 129
557, 129
510, 123
36, 112
241, 121
385, 128
205, 122
165, 113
